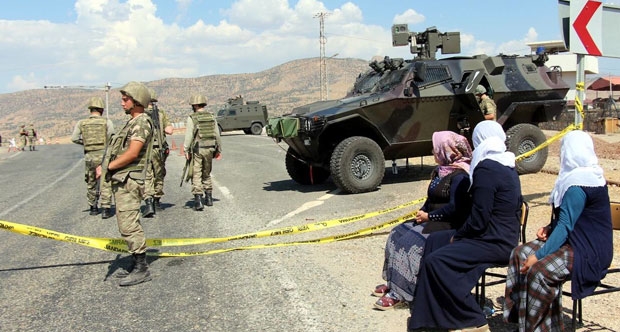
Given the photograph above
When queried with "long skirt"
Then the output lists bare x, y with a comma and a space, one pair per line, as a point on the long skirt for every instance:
449, 271
403, 253
534, 299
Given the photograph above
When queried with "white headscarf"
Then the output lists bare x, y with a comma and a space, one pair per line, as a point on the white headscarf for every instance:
489, 143
578, 166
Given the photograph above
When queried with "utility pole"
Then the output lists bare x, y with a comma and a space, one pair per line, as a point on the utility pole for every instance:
322, 62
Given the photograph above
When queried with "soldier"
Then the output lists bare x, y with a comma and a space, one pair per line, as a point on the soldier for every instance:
487, 105
125, 164
93, 133
23, 136
202, 141
32, 136
154, 183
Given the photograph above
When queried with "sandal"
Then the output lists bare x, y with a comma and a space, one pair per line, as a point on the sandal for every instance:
380, 290
387, 302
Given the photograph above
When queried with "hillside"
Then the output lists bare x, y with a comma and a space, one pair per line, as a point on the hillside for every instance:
54, 112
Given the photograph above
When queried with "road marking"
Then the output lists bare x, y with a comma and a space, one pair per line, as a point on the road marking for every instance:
304, 207
40, 191
305, 313
224, 190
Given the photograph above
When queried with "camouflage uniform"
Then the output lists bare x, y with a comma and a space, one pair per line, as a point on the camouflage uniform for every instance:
154, 182
93, 133
32, 136
23, 136
487, 106
128, 182
205, 145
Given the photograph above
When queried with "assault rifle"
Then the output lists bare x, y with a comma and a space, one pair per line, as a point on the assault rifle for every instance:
104, 168
189, 161
163, 144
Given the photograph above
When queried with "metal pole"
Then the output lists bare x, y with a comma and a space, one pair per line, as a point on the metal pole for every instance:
107, 100
579, 96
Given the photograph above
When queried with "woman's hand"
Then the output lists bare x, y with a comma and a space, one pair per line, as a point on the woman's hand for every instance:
543, 233
531, 260
421, 217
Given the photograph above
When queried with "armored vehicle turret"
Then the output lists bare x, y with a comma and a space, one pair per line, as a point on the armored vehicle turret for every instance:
249, 116
395, 107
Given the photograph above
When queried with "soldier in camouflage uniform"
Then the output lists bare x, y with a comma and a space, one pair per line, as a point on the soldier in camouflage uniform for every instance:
487, 105
125, 165
32, 136
94, 133
154, 183
202, 141
23, 137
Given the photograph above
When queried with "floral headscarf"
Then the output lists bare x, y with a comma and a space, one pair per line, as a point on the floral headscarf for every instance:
452, 152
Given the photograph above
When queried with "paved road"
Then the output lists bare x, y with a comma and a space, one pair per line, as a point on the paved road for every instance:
48, 285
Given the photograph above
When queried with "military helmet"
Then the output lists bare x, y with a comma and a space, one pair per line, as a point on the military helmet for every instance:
153, 95
95, 102
198, 100
480, 90
138, 92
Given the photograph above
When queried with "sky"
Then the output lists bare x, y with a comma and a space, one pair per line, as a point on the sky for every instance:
90, 43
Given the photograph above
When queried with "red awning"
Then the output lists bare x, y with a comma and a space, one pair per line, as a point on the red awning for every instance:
610, 83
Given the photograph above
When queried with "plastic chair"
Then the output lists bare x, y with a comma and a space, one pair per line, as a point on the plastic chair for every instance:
500, 277
603, 287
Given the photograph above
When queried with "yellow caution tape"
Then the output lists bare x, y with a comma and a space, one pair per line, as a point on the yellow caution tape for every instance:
546, 143
119, 245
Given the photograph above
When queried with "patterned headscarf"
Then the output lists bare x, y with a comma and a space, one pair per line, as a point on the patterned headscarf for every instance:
578, 166
452, 151
489, 143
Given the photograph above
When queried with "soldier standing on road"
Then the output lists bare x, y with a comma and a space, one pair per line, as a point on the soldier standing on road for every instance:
487, 105
93, 133
125, 164
202, 141
23, 136
154, 183
32, 136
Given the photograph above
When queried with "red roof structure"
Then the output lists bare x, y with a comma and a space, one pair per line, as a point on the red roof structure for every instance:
610, 83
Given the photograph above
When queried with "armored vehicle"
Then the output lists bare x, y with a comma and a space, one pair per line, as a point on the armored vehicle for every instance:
393, 110
250, 116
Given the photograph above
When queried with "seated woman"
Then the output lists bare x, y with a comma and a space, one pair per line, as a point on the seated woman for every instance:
446, 207
578, 243
454, 260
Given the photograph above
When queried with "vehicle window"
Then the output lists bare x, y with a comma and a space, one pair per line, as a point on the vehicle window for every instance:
393, 78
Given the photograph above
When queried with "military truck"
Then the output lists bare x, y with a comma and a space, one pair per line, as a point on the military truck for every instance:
394, 108
250, 116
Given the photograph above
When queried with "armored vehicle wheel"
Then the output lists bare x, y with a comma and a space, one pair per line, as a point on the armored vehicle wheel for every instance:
522, 138
357, 165
300, 171
256, 128
220, 129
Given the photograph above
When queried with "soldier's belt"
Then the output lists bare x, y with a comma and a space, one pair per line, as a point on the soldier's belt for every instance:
206, 146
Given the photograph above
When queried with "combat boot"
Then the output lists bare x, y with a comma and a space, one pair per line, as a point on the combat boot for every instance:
106, 213
208, 198
198, 203
93, 210
158, 204
140, 272
149, 210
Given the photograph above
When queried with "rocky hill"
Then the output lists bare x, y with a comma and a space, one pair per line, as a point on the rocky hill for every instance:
54, 112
